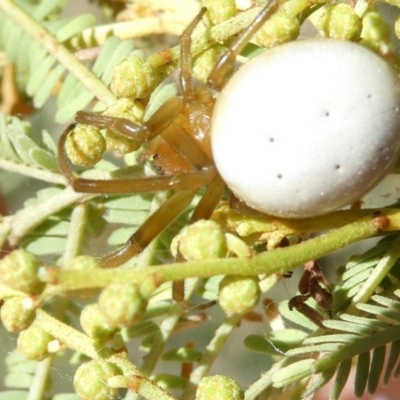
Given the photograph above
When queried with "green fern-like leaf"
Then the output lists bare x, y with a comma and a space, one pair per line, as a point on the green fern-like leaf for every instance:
19, 147
365, 339
40, 72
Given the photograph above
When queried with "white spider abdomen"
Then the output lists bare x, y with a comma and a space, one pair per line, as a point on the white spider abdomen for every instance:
307, 127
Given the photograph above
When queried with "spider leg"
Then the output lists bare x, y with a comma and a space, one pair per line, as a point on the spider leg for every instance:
185, 75
154, 126
227, 60
203, 210
156, 223
183, 181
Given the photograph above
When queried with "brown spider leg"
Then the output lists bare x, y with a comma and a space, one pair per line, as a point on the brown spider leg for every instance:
156, 223
183, 181
227, 60
203, 210
155, 125
185, 75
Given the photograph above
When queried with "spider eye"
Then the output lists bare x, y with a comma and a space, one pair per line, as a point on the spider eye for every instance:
307, 127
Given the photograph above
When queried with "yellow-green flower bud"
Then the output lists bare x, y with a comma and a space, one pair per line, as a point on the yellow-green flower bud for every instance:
340, 22
94, 324
33, 342
122, 304
239, 294
85, 146
205, 62
376, 32
121, 143
134, 78
124, 108
202, 240
219, 387
15, 315
19, 271
220, 10
90, 380
280, 28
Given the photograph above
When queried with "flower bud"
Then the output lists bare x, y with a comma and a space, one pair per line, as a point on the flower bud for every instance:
280, 28
340, 22
85, 145
19, 271
220, 10
205, 62
94, 324
33, 342
134, 78
15, 315
90, 380
239, 294
376, 32
132, 110
122, 304
219, 387
202, 240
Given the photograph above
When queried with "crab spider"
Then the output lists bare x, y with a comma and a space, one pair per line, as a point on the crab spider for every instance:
301, 130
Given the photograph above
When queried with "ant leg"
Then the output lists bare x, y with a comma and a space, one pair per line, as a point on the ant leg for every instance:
185, 75
227, 60
151, 228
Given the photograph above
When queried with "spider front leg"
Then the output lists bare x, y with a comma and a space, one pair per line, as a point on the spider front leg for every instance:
309, 286
156, 125
188, 181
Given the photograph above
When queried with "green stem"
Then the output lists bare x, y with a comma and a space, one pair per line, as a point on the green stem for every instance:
269, 262
75, 238
201, 42
57, 50
212, 350
166, 330
30, 217
264, 382
32, 172
39, 383
77, 341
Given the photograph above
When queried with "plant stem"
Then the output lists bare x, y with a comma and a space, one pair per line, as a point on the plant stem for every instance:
265, 381
212, 350
170, 58
38, 385
166, 329
32, 172
34, 29
32, 216
75, 340
269, 262
76, 233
